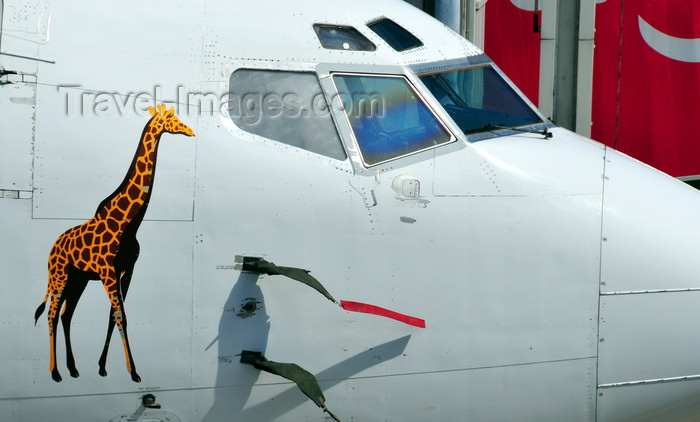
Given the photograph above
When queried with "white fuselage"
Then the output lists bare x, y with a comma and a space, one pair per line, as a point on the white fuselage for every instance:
557, 278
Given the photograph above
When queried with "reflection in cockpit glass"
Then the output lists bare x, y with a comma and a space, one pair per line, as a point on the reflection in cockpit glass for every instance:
387, 117
479, 99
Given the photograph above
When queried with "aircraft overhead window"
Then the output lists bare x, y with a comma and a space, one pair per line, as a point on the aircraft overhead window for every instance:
479, 99
395, 35
387, 117
284, 106
342, 38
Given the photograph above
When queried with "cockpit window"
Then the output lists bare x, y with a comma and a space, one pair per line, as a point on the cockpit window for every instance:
337, 37
387, 117
288, 107
395, 35
479, 99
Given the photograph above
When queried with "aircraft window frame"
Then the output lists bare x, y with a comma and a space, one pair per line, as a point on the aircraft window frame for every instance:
420, 98
475, 62
342, 37
398, 37
285, 107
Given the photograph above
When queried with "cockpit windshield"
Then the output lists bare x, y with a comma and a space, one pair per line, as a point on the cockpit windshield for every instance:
478, 99
388, 117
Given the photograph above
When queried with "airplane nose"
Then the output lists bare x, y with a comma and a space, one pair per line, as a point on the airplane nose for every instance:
649, 290
651, 229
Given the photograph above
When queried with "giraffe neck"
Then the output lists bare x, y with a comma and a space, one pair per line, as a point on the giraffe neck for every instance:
131, 197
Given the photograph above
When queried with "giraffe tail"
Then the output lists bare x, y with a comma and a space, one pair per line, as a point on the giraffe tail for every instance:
40, 310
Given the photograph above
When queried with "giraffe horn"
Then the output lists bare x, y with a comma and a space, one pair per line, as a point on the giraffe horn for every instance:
152, 111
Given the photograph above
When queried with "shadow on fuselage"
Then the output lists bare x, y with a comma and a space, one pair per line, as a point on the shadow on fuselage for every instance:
244, 325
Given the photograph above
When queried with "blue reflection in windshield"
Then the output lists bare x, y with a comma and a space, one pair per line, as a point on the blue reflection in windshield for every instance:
479, 99
387, 117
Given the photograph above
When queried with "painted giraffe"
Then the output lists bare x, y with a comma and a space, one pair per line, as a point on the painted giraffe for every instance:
105, 247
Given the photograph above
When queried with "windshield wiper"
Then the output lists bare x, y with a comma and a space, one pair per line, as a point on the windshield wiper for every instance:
490, 126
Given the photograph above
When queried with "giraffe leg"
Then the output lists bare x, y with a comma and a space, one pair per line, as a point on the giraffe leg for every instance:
56, 303
77, 281
57, 277
130, 366
110, 329
103, 357
124, 282
111, 286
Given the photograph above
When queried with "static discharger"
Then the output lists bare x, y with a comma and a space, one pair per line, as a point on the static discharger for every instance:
261, 266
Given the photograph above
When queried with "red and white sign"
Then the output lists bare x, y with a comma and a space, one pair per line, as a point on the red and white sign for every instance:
512, 43
646, 83
646, 79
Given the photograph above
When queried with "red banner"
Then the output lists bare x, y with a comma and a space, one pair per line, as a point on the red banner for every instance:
512, 43
646, 81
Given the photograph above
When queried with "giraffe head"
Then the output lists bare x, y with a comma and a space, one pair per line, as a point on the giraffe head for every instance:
165, 120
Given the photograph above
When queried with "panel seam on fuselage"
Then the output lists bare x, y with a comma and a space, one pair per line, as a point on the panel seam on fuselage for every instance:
649, 381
